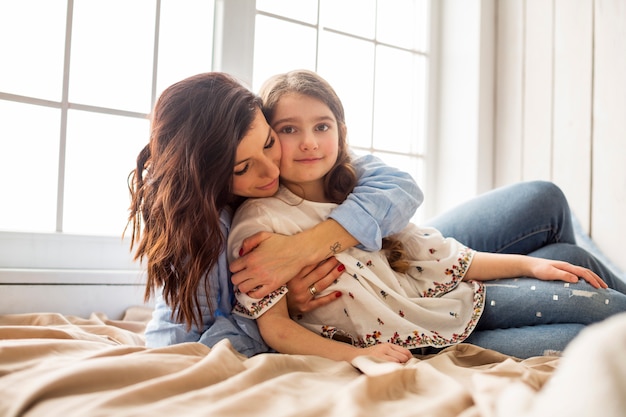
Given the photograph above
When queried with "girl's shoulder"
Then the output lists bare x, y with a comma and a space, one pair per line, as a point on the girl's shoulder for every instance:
282, 197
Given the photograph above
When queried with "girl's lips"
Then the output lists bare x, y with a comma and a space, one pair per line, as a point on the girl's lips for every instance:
308, 160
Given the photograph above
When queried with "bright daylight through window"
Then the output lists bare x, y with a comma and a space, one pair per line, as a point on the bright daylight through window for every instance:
79, 78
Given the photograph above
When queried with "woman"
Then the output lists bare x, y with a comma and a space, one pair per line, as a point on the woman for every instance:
210, 148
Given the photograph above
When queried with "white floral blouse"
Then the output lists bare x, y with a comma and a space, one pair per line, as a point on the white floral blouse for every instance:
429, 305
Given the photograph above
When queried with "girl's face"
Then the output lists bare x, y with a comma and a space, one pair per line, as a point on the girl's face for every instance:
309, 138
257, 161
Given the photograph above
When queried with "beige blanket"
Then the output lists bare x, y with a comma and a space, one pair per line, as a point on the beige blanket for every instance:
53, 365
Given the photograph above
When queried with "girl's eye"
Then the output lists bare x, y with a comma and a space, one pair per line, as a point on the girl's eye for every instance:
242, 171
323, 127
287, 129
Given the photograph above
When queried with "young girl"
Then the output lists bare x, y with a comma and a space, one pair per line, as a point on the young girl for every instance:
210, 147
438, 299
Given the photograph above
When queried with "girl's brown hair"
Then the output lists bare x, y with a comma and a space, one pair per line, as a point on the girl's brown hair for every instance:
341, 179
182, 181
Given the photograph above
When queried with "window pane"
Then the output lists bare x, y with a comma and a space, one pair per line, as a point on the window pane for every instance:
112, 52
184, 49
399, 123
357, 17
303, 10
101, 152
353, 80
410, 15
29, 160
32, 34
281, 46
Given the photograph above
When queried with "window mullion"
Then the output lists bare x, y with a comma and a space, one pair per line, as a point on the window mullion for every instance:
320, 29
155, 56
64, 111
233, 38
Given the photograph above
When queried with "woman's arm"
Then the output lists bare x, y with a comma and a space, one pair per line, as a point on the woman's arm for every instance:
164, 330
270, 260
286, 336
488, 266
382, 203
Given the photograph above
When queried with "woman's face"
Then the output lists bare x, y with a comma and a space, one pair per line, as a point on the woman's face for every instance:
257, 161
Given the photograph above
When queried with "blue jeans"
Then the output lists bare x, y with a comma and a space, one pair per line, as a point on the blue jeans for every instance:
525, 317
531, 218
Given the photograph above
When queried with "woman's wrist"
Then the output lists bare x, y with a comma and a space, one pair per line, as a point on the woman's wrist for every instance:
326, 240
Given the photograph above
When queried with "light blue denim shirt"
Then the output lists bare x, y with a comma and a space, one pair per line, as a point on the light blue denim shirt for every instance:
163, 330
382, 203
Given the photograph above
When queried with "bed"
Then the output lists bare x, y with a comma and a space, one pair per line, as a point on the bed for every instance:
71, 344
53, 364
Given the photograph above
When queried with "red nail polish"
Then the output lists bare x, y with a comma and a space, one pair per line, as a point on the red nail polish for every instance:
240, 251
338, 294
340, 268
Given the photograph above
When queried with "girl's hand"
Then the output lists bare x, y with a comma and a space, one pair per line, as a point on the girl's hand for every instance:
303, 289
550, 270
388, 352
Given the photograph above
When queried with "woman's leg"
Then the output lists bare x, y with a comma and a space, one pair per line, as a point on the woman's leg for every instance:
531, 302
526, 317
525, 342
519, 218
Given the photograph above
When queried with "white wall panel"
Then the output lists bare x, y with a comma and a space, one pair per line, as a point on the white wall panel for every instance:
561, 105
537, 90
572, 103
508, 95
608, 219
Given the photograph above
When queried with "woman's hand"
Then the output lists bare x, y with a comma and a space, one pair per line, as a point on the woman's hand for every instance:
303, 289
267, 261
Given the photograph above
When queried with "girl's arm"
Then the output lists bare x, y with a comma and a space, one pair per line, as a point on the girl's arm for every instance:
382, 203
488, 266
286, 336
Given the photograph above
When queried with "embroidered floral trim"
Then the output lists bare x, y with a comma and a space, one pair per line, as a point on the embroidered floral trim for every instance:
433, 338
420, 339
456, 274
256, 308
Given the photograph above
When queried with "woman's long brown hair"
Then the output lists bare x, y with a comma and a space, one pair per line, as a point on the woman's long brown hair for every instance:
182, 181
341, 179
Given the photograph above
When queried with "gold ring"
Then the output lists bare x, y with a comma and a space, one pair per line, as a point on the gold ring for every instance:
313, 290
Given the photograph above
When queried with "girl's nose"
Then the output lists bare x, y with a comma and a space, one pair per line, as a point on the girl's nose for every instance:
308, 143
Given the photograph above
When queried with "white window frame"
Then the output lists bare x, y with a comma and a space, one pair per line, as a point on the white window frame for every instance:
46, 254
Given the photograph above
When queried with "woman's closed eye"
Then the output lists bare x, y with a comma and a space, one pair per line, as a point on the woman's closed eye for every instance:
242, 170
271, 141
